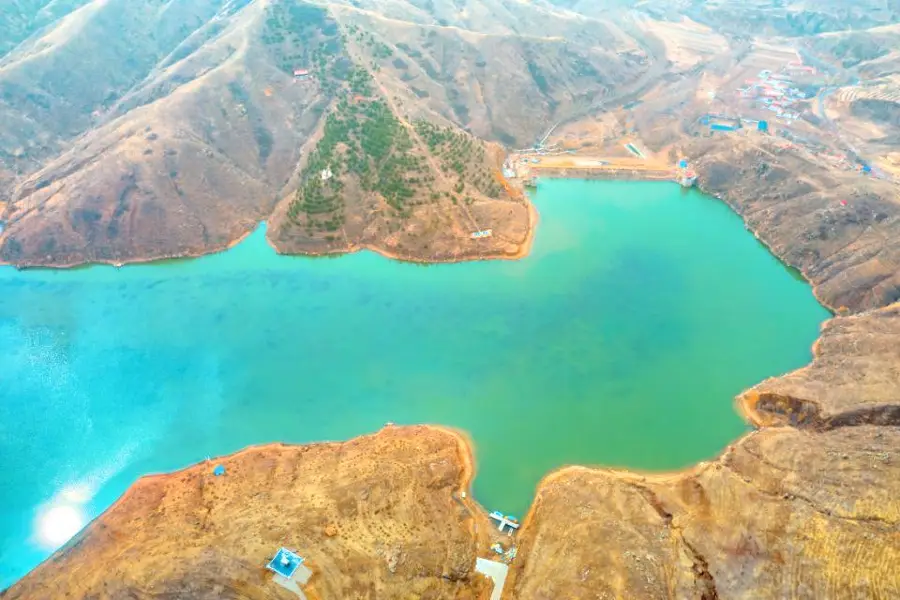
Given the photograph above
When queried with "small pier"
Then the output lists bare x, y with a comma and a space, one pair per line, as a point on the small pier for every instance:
505, 521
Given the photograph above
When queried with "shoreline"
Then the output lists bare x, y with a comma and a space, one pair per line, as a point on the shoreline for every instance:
600, 174
755, 232
132, 262
466, 445
524, 249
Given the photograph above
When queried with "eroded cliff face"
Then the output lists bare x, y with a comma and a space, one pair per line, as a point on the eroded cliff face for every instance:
378, 517
854, 378
806, 507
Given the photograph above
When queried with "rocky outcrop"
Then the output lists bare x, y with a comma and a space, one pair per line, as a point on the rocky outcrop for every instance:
854, 378
804, 508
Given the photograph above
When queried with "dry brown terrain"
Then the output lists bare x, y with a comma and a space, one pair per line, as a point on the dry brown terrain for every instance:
803, 511
205, 130
157, 161
784, 513
378, 517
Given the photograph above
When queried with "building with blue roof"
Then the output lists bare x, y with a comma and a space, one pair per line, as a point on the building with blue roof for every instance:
285, 563
289, 571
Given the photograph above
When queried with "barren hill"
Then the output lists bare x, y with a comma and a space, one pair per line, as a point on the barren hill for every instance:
187, 124
380, 517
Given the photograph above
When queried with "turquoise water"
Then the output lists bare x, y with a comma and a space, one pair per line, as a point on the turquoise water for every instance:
621, 340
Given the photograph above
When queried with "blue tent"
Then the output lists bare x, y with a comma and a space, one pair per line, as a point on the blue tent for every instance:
763, 125
683, 163
219, 470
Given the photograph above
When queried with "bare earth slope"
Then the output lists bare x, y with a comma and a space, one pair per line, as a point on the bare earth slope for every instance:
163, 163
783, 514
840, 230
378, 517
168, 171
786, 512
188, 125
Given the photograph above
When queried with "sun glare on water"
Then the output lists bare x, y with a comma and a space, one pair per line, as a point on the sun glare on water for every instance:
60, 520
59, 524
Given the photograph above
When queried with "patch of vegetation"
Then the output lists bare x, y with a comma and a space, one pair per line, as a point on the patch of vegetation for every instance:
411, 52
462, 155
538, 77
302, 36
879, 111
580, 65
855, 49
429, 69
382, 50
365, 141
261, 134
360, 82
379, 49
459, 107
506, 138
11, 249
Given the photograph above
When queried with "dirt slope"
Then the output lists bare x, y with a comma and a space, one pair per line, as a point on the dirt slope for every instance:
378, 517
840, 229
805, 512
187, 125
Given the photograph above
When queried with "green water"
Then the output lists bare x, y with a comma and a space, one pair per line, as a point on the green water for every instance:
621, 340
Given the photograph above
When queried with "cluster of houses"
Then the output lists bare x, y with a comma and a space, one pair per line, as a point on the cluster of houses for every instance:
774, 92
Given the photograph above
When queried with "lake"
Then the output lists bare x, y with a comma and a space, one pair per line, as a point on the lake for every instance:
621, 340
